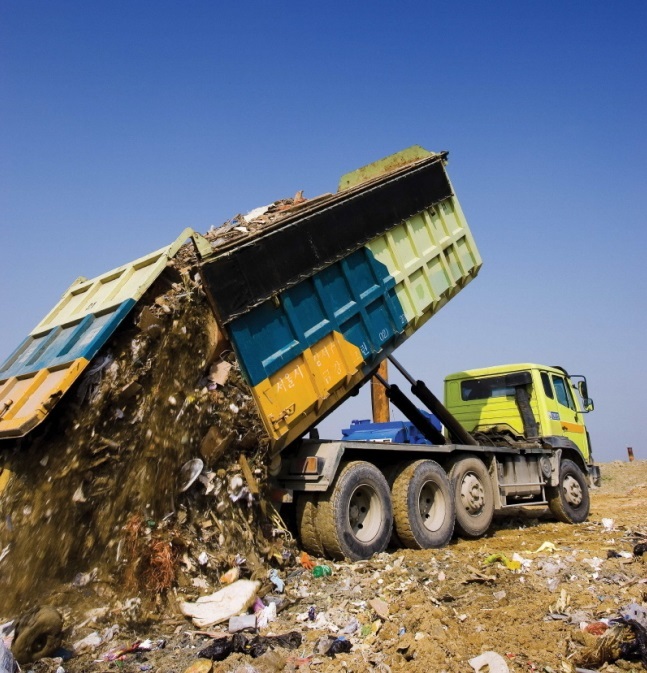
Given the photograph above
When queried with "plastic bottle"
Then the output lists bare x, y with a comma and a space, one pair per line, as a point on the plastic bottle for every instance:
321, 571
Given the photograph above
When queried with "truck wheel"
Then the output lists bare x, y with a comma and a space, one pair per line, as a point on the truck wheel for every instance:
569, 502
423, 505
355, 516
306, 518
473, 496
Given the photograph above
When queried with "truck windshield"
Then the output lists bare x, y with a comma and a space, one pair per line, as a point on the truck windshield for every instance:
481, 389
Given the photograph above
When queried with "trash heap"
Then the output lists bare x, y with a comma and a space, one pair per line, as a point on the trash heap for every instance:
152, 473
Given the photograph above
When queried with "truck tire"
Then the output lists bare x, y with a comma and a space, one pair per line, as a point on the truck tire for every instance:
355, 516
569, 501
473, 496
306, 524
424, 512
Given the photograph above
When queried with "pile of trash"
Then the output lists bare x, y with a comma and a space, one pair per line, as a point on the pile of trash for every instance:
150, 476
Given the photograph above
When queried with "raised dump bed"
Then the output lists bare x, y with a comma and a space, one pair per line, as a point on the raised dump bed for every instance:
314, 303
311, 300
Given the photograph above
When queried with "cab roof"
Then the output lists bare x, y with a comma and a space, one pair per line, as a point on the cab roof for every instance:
502, 369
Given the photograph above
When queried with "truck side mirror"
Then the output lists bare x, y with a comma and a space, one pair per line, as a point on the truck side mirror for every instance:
588, 404
584, 391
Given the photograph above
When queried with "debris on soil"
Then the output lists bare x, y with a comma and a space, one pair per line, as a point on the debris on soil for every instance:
142, 505
221, 605
435, 620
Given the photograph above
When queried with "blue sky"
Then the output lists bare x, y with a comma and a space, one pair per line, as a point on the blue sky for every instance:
121, 123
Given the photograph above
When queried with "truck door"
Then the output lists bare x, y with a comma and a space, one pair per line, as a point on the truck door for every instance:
564, 416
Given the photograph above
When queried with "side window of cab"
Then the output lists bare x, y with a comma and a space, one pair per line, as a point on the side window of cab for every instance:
548, 389
562, 392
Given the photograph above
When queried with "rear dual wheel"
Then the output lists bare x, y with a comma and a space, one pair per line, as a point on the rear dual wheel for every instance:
355, 517
423, 505
307, 524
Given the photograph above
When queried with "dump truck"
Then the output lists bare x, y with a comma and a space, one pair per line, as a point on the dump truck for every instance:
312, 300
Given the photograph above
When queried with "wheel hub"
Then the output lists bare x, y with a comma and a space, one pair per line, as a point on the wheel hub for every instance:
431, 505
365, 513
472, 494
572, 491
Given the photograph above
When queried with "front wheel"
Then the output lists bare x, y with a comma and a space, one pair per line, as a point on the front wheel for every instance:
355, 516
569, 501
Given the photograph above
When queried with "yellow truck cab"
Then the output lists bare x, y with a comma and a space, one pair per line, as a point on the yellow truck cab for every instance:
523, 402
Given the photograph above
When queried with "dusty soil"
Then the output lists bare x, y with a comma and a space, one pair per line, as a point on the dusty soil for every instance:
444, 606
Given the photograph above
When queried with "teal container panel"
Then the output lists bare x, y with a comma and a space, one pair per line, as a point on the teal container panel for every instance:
354, 297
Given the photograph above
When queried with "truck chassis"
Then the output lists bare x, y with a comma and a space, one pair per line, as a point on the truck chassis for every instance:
353, 498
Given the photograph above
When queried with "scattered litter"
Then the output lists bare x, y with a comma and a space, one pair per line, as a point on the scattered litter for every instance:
230, 576
595, 563
218, 374
562, 604
608, 524
306, 561
524, 563
221, 605
264, 614
640, 549
502, 558
221, 648
595, 628
635, 612
88, 644
278, 583
241, 622
490, 662
350, 628
321, 571
138, 646
544, 546
339, 646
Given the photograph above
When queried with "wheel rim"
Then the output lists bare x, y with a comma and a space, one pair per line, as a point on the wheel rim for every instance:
472, 494
432, 506
365, 513
572, 491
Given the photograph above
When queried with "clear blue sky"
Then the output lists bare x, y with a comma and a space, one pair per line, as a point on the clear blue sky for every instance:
122, 122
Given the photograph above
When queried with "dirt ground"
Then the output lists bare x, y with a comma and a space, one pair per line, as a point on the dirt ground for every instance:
435, 609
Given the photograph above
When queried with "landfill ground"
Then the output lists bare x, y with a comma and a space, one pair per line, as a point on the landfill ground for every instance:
148, 488
407, 610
